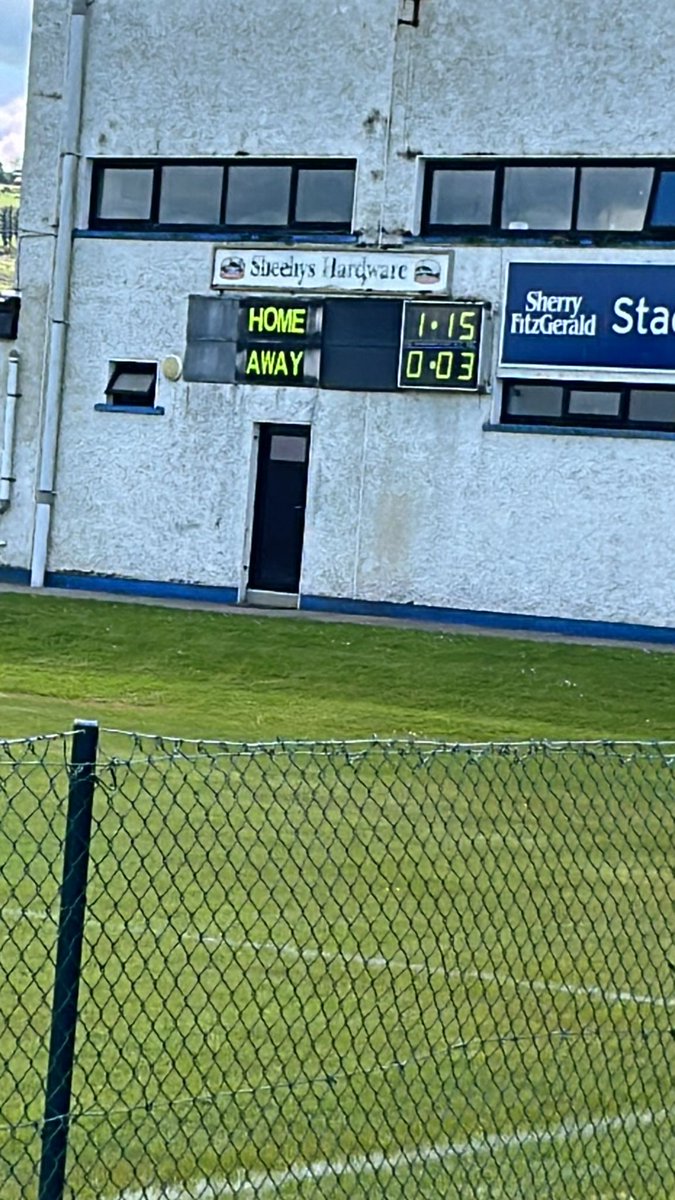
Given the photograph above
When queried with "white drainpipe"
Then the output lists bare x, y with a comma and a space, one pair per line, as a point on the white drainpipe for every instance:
51, 401
7, 460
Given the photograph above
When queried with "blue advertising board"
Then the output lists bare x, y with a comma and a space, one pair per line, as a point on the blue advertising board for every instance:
589, 315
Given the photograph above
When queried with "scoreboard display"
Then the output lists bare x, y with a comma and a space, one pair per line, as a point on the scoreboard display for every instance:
336, 343
279, 342
440, 346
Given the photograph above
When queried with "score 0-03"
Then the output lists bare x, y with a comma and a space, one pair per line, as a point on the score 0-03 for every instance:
440, 346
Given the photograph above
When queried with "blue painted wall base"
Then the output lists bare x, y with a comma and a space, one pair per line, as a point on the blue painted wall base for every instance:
514, 622
17, 576
517, 622
160, 589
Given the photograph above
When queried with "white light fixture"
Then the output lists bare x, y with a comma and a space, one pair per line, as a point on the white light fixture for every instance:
172, 367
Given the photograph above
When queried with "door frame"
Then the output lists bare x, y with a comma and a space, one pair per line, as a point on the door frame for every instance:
249, 512
243, 590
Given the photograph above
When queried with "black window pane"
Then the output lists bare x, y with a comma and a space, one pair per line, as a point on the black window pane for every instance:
461, 197
258, 195
664, 206
656, 406
325, 197
538, 197
132, 384
591, 402
126, 194
614, 198
534, 400
191, 195
131, 399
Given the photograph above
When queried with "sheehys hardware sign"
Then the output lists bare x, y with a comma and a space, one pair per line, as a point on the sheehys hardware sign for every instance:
377, 271
598, 317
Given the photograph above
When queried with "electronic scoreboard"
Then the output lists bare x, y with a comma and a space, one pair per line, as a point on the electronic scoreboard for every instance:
440, 346
336, 342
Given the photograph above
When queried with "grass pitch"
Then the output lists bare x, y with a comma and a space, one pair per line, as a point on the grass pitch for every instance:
407, 973
298, 961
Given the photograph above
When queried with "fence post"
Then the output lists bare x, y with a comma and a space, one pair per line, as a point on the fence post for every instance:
82, 779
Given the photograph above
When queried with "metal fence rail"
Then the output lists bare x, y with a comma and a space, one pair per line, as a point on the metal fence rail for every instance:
354, 970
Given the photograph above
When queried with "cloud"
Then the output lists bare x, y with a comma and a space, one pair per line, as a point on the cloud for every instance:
15, 18
12, 129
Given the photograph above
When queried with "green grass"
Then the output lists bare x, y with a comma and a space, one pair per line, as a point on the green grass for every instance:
10, 195
6, 270
204, 1052
204, 674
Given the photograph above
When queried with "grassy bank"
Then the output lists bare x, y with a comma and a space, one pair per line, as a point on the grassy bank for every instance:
204, 674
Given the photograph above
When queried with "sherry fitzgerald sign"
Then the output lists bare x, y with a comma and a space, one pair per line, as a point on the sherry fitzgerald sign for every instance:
377, 271
595, 316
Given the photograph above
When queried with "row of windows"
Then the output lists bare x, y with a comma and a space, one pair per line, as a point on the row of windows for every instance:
596, 405
573, 200
539, 197
174, 195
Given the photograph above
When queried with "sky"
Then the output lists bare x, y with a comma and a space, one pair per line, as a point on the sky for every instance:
14, 40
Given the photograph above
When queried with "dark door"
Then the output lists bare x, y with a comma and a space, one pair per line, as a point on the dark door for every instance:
279, 513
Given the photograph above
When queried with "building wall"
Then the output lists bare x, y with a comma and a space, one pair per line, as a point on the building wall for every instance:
410, 499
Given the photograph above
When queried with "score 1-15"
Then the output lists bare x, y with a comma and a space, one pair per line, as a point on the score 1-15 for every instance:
442, 323
461, 325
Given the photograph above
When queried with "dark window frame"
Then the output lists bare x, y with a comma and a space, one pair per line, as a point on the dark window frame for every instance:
571, 236
119, 398
577, 420
153, 225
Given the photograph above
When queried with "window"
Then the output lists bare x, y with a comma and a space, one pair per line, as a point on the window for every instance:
576, 200
219, 195
258, 195
652, 406
324, 195
126, 195
614, 197
594, 402
10, 308
537, 197
285, 448
663, 213
462, 197
599, 405
131, 386
189, 195
534, 400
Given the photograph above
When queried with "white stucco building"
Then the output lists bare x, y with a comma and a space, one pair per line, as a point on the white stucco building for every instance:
225, 208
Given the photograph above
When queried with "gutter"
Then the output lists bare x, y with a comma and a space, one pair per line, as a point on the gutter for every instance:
60, 294
7, 459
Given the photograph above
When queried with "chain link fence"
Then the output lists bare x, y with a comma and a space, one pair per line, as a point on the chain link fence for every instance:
336, 970
9, 227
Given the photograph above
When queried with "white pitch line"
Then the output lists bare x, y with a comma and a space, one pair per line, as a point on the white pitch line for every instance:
376, 961
33, 914
263, 1183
